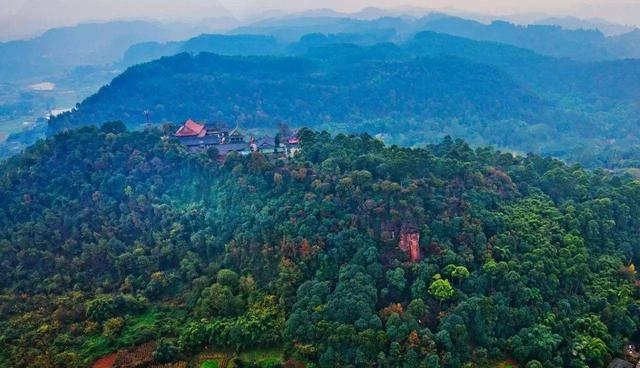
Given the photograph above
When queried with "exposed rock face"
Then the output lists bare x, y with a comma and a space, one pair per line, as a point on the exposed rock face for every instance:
410, 243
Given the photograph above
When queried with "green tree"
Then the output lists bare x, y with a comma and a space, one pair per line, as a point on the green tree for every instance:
441, 289
460, 273
219, 301
165, 352
396, 280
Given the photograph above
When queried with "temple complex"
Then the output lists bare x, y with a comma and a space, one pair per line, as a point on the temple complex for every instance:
200, 137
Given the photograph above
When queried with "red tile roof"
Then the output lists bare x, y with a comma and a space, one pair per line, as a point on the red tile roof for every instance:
190, 128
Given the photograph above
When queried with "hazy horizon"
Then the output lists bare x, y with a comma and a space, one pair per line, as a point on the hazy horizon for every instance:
23, 18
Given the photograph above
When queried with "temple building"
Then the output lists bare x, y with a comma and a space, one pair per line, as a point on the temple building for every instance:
191, 129
196, 136
199, 137
265, 144
293, 144
235, 136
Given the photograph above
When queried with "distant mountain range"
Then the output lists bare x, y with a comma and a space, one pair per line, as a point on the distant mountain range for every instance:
129, 42
22, 18
552, 40
94, 44
219, 44
289, 33
573, 23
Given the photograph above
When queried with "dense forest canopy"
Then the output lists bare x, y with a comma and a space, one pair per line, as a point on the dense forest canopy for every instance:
261, 91
111, 238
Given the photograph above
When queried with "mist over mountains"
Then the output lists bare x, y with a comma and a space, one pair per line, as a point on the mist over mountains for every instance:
98, 44
21, 19
27, 18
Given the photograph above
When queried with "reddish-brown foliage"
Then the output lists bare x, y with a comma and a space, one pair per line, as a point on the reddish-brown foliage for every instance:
413, 340
392, 308
138, 356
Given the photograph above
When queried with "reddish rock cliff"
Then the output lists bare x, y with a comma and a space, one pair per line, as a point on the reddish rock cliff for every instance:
410, 243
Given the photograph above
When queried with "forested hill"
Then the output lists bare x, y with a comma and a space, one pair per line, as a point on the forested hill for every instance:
262, 91
110, 239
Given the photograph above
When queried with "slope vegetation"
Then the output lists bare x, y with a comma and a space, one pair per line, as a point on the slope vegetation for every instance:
111, 239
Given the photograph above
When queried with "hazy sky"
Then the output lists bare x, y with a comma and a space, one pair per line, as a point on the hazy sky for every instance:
25, 16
